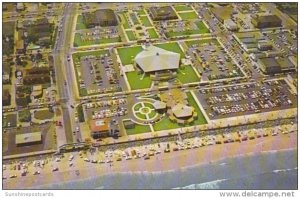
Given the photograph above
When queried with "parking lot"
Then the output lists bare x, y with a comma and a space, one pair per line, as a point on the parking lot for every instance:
212, 60
97, 74
285, 41
96, 36
9, 120
246, 99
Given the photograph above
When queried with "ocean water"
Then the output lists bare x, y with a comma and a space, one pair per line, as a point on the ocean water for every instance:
268, 170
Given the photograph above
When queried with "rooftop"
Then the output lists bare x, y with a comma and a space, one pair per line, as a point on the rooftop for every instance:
182, 111
99, 125
28, 138
155, 59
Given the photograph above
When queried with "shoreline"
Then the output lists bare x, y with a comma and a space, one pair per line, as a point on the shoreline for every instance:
94, 180
165, 162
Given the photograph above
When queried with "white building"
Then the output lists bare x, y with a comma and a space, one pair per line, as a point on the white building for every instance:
230, 25
153, 59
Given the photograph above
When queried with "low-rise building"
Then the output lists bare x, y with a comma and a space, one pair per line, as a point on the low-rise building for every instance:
100, 128
162, 13
26, 139
103, 18
266, 21
264, 45
6, 98
230, 25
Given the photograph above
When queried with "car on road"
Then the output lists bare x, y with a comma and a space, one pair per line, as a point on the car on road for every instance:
55, 169
36, 173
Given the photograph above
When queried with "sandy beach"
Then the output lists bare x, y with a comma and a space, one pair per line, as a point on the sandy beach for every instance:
164, 162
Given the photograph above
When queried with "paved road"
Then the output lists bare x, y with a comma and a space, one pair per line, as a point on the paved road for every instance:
64, 83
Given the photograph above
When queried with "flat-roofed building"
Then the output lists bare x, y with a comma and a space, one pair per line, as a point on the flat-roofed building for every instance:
273, 65
182, 111
264, 45
37, 91
153, 59
103, 18
266, 21
6, 97
26, 139
162, 13
230, 25
128, 124
222, 13
100, 128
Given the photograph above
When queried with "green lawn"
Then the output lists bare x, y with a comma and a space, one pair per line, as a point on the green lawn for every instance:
137, 107
80, 24
127, 54
202, 41
140, 115
145, 21
141, 12
138, 129
201, 30
124, 20
148, 105
130, 35
182, 8
173, 47
201, 119
78, 55
164, 124
186, 74
202, 27
134, 19
182, 33
78, 42
43, 114
188, 15
152, 114
152, 33
136, 82
24, 115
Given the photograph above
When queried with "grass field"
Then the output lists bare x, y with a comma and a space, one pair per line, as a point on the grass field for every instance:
145, 21
78, 42
152, 33
173, 47
136, 82
201, 119
78, 55
137, 107
202, 41
124, 21
43, 114
186, 74
80, 24
165, 124
148, 105
24, 115
140, 115
127, 54
152, 114
130, 35
182, 8
201, 30
201, 26
138, 129
188, 15
141, 12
